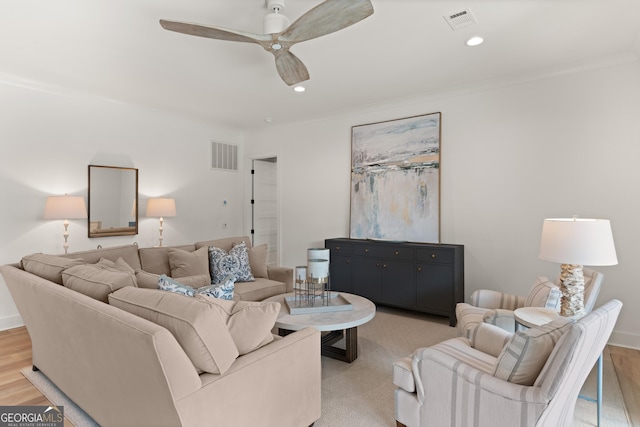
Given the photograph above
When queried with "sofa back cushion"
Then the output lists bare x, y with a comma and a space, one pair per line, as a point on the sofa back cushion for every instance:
97, 280
156, 260
250, 323
200, 329
258, 261
226, 243
129, 253
524, 356
48, 267
184, 263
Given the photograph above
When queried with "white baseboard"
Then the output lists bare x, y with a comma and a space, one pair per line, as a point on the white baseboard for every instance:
11, 322
624, 339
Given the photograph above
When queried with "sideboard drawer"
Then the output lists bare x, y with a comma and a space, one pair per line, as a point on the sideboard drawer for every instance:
441, 256
339, 248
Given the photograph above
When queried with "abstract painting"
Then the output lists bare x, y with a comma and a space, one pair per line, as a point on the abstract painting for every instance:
395, 180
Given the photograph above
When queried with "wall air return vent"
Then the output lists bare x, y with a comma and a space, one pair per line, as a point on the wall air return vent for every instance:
460, 19
224, 156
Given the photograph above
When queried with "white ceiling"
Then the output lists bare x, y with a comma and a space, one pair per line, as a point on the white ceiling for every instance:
116, 49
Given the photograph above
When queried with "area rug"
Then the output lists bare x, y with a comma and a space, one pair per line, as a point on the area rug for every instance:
360, 394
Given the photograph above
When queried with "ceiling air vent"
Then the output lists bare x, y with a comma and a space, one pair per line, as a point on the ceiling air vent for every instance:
224, 156
461, 19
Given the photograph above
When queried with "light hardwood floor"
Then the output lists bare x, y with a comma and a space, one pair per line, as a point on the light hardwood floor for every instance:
16, 390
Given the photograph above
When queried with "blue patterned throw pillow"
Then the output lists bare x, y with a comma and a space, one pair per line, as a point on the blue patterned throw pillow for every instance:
235, 262
166, 283
223, 290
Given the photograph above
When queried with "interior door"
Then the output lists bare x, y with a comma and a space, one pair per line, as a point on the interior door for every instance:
265, 206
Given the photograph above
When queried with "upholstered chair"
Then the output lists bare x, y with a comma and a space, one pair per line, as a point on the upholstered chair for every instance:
497, 378
497, 307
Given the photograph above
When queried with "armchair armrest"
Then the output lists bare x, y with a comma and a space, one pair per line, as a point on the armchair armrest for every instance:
281, 274
486, 298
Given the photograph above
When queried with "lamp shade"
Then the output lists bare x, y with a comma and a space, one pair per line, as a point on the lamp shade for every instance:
161, 207
578, 241
65, 207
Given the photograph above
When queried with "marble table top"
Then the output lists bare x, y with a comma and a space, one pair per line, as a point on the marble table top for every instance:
534, 316
363, 311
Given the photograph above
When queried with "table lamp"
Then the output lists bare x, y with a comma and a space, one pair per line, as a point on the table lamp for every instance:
65, 207
161, 207
575, 242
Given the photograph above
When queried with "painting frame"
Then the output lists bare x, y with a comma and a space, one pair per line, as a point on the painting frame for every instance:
387, 158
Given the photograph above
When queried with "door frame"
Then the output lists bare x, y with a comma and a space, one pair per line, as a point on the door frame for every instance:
248, 194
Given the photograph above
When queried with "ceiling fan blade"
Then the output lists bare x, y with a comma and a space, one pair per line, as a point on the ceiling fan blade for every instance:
290, 68
326, 18
213, 32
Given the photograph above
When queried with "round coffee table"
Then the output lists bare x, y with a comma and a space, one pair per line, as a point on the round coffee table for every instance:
337, 324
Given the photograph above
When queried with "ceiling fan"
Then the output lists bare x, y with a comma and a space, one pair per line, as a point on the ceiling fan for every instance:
326, 18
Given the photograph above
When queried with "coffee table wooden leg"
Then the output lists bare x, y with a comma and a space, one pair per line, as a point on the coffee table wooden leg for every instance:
349, 353
351, 344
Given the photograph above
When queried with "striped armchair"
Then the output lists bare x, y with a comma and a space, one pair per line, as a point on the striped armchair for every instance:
497, 307
456, 384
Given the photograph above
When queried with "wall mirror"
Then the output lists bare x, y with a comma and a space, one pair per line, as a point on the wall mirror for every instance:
113, 201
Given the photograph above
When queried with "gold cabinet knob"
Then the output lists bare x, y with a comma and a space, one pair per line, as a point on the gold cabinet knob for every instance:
397, 253
433, 256
419, 268
366, 251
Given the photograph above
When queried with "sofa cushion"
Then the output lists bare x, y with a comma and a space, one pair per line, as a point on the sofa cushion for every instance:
119, 264
225, 243
200, 328
184, 263
147, 280
522, 359
156, 260
97, 280
259, 289
250, 323
48, 267
544, 293
128, 253
258, 261
150, 280
236, 262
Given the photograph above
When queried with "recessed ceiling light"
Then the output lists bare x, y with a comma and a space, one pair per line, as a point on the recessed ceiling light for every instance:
475, 41
299, 88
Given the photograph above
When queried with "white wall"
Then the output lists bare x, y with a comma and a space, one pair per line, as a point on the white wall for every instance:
48, 138
512, 154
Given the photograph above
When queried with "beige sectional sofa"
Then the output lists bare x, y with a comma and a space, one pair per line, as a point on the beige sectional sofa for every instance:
131, 356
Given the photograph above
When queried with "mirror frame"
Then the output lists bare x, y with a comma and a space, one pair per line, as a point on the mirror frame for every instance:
113, 231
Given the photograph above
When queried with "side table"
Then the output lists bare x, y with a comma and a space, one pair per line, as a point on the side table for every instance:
536, 316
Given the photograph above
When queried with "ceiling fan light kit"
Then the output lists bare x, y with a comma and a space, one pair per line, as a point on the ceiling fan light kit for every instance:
275, 22
326, 18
